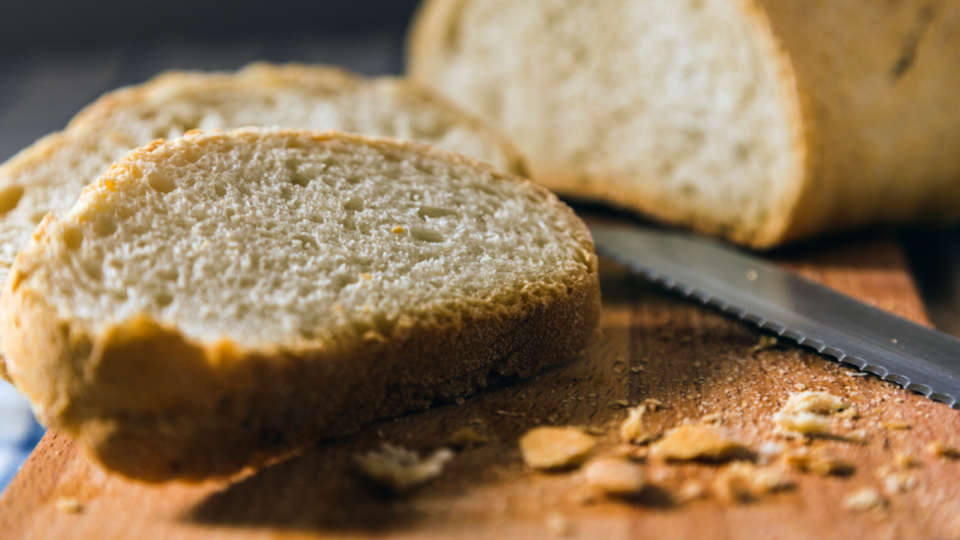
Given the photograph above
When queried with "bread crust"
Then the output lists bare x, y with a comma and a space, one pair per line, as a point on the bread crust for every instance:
869, 90
151, 403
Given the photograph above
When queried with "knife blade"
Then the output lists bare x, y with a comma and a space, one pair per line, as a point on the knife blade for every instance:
776, 300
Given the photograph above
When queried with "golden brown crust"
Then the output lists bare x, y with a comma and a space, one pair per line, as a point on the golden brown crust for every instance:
189, 410
872, 108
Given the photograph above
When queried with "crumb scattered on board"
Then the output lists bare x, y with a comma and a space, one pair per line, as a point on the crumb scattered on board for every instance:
819, 461
556, 447
68, 505
614, 476
467, 436
559, 524
809, 412
940, 449
631, 430
765, 342
400, 469
895, 482
743, 481
864, 500
700, 442
690, 491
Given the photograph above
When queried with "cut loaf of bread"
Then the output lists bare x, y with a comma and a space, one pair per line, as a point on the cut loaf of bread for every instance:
223, 298
48, 176
763, 121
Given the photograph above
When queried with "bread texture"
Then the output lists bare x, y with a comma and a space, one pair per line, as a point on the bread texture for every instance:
49, 176
761, 121
227, 297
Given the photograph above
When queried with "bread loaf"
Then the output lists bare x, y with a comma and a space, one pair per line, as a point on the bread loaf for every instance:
48, 176
224, 298
763, 121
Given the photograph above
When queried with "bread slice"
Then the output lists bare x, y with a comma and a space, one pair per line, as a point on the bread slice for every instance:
48, 176
763, 121
226, 297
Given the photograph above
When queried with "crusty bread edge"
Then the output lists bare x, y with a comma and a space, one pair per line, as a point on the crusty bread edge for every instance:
219, 415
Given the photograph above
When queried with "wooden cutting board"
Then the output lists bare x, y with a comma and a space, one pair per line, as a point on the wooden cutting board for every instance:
654, 346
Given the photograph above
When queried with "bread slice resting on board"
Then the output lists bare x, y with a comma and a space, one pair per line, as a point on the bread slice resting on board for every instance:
223, 298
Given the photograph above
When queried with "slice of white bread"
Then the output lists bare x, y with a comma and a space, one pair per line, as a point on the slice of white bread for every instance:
49, 176
763, 121
223, 298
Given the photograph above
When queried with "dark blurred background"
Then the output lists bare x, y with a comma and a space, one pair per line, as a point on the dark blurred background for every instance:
66, 23
58, 55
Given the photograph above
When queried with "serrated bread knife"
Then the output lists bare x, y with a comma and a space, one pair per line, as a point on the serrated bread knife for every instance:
778, 301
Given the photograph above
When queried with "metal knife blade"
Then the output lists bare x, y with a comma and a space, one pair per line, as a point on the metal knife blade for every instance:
779, 301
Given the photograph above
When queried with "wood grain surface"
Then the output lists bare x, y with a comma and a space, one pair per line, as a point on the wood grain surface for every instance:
654, 346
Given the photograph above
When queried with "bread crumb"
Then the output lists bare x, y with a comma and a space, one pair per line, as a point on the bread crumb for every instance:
654, 404
690, 491
802, 422
897, 482
940, 449
821, 463
631, 430
800, 386
398, 229
765, 342
905, 460
896, 425
614, 476
743, 481
864, 500
508, 413
771, 480
808, 413
366, 276
814, 402
703, 442
459, 401
595, 430
731, 486
68, 505
559, 524
619, 404
849, 413
768, 451
713, 418
858, 436
636, 369
400, 469
556, 447
467, 436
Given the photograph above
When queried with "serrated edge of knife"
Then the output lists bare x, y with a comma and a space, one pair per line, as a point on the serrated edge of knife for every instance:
707, 299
